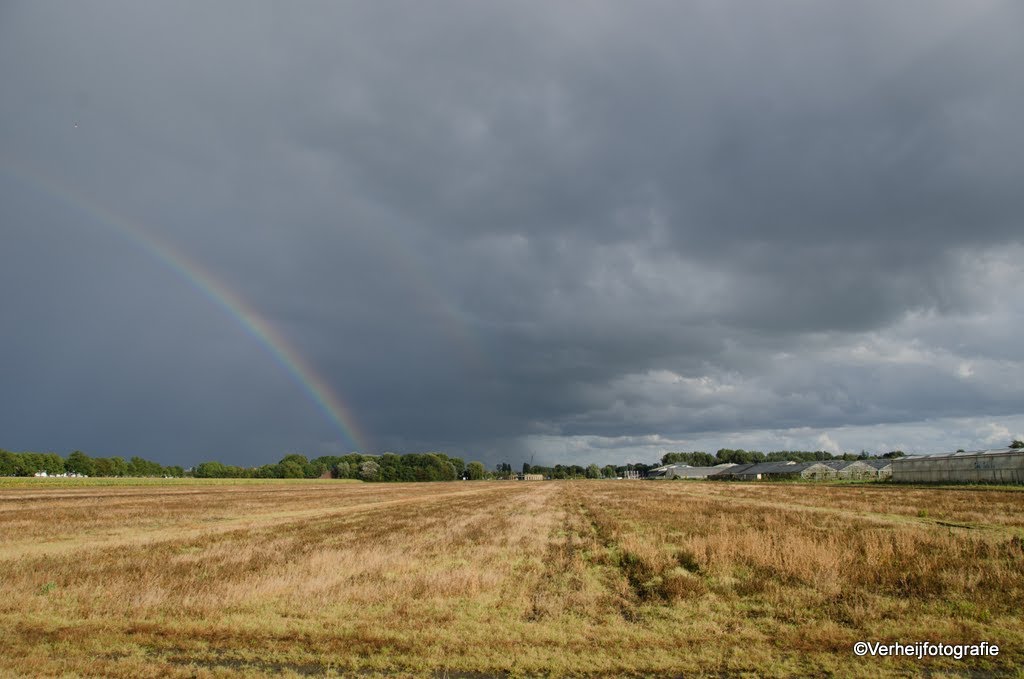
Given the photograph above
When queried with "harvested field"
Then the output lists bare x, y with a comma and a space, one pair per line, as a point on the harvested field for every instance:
604, 578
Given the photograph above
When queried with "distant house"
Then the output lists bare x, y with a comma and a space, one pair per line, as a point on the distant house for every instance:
1002, 465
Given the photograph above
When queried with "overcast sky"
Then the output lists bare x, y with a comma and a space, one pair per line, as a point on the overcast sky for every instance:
589, 232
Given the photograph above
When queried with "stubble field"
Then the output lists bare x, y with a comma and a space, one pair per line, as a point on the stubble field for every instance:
475, 579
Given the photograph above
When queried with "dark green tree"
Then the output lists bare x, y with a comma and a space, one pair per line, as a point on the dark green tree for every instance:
210, 470
739, 456
10, 465
118, 466
697, 458
291, 469
475, 471
80, 463
52, 463
268, 471
460, 466
341, 470
369, 471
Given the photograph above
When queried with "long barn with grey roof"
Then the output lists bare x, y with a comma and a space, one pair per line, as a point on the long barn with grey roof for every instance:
685, 471
852, 469
1003, 465
778, 470
882, 466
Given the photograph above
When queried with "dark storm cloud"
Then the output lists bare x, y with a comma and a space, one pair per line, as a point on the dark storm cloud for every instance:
482, 222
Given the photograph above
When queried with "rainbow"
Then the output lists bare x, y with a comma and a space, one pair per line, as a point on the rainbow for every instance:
297, 367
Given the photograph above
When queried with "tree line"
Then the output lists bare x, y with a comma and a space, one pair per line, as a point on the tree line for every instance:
740, 456
575, 471
386, 467
30, 464
433, 466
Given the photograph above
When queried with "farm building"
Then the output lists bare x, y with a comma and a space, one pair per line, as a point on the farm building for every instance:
815, 471
660, 472
856, 469
778, 470
1003, 465
749, 472
685, 471
732, 473
883, 467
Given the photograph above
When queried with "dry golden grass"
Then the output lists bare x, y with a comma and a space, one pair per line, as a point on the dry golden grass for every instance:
555, 578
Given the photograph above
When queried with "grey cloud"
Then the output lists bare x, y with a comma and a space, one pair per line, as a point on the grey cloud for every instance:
480, 222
